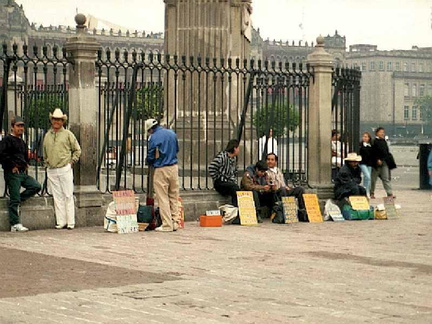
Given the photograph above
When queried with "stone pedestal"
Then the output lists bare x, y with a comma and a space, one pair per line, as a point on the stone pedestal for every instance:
319, 116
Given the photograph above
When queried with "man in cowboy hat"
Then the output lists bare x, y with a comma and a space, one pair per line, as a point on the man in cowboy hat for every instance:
61, 151
14, 159
347, 182
162, 149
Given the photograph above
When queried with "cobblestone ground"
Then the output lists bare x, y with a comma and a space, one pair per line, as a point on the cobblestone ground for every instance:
348, 272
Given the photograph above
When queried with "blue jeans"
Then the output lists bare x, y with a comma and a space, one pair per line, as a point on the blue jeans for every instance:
367, 173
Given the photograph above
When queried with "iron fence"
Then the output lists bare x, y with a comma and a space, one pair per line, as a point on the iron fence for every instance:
206, 102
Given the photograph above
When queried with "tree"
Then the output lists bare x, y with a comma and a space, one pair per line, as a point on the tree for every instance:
149, 103
38, 108
425, 106
284, 119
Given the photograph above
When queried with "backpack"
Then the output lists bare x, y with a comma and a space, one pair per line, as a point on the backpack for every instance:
278, 216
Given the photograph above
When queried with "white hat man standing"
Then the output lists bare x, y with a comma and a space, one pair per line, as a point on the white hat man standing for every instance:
61, 150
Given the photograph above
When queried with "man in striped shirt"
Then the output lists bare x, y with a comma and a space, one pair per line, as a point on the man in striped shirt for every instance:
223, 171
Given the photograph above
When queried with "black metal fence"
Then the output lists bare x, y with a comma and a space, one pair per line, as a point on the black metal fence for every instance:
203, 101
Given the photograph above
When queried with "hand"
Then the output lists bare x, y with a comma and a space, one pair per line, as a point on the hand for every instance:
287, 188
15, 170
379, 162
266, 188
430, 173
274, 188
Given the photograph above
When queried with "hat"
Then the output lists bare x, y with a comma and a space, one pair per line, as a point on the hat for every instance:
149, 123
353, 157
17, 120
261, 166
57, 114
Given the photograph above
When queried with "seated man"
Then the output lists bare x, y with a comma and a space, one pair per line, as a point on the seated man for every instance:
223, 171
255, 180
347, 182
277, 180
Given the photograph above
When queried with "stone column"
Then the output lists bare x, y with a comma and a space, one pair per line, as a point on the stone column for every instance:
320, 126
83, 111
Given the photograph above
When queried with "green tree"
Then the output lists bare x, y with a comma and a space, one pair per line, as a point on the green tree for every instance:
425, 106
284, 119
149, 103
37, 110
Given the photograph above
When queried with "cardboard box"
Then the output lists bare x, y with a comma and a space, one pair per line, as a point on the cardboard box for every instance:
210, 221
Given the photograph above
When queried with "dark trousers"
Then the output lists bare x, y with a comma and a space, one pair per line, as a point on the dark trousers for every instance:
14, 182
227, 189
264, 199
356, 190
294, 192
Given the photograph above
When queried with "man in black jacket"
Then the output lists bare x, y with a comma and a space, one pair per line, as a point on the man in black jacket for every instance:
14, 159
384, 162
347, 182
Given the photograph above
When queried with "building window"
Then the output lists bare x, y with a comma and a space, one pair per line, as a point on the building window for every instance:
421, 67
406, 112
422, 90
430, 89
414, 90
421, 112
405, 67
381, 66
413, 67
397, 66
363, 66
389, 66
406, 89
372, 66
414, 113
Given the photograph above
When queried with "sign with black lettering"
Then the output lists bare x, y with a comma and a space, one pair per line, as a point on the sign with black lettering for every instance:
312, 208
247, 209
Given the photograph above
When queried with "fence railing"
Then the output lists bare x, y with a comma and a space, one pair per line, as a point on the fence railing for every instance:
202, 100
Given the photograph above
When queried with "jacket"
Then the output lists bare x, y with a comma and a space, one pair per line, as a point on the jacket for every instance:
164, 141
276, 177
251, 181
380, 150
60, 148
223, 168
346, 180
13, 153
367, 154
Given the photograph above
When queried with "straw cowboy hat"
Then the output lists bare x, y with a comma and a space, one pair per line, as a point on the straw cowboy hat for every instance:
353, 157
58, 114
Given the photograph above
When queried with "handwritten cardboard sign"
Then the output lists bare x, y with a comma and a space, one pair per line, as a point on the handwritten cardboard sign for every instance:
359, 203
125, 207
390, 208
290, 209
247, 210
312, 208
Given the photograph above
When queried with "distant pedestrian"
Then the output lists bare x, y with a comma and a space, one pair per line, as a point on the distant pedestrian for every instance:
347, 182
384, 163
223, 170
15, 161
61, 151
271, 142
162, 155
429, 166
367, 162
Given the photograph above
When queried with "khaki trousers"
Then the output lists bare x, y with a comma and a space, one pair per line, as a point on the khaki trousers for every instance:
166, 186
383, 172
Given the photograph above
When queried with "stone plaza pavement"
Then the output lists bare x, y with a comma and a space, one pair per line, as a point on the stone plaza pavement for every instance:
348, 272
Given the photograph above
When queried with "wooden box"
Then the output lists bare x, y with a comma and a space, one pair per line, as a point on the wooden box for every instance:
210, 221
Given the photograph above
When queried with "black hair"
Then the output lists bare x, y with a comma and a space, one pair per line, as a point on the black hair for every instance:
232, 144
261, 166
335, 132
276, 157
378, 129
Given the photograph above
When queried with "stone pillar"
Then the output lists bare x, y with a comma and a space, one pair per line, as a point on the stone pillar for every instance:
83, 111
320, 126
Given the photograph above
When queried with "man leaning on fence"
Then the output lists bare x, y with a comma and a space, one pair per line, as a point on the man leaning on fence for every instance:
61, 152
15, 162
223, 171
162, 155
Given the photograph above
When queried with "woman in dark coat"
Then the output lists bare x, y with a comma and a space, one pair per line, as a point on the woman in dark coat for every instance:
347, 182
367, 162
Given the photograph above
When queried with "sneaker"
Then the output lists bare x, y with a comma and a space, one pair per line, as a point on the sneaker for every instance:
19, 228
161, 229
70, 227
175, 227
61, 226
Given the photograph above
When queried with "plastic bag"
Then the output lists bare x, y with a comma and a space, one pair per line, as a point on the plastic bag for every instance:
229, 213
330, 208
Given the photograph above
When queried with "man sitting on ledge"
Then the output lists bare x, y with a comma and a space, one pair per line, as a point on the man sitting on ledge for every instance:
347, 182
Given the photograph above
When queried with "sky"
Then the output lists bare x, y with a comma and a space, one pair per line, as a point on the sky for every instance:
390, 24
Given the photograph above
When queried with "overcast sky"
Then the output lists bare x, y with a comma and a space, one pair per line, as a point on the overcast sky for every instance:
390, 24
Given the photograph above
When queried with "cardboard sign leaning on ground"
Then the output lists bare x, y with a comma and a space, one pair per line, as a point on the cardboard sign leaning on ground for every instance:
312, 208
125, 208
290, 209
359, 203
247, 210
390, 208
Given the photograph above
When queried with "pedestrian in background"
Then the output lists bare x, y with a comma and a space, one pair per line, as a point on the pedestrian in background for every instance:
61, 151
367, 162
15, 161
384, 163
223, 170
271, 142
162, 155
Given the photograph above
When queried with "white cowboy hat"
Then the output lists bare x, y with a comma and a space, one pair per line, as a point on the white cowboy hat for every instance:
353, 157
149, 123
57, 114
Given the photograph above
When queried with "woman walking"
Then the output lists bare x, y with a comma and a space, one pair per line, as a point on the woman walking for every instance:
367, 162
